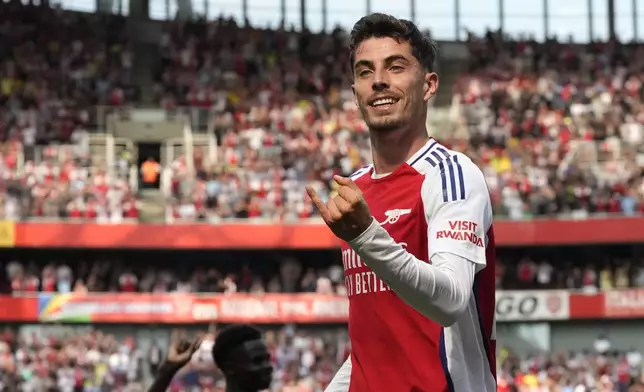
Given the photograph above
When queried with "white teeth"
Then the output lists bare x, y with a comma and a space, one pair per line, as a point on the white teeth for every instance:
383, 101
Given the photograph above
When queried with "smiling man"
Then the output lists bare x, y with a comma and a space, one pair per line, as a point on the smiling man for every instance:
417, 225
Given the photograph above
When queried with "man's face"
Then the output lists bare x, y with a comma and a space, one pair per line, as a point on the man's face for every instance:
252, 368
391, 86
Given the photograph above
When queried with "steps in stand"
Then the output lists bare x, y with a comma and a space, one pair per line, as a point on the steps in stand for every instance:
152, 206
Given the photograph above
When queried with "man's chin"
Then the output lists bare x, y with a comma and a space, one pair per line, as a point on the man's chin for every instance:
384, 125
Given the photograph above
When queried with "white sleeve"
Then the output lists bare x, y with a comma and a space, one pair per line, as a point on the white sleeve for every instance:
440, 290
342, 378
458, 209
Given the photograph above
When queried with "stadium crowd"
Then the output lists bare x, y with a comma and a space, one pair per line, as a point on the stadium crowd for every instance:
598, 370
92, 360
596, 270
556, 127
65, 185
282, 108
304, 360
55, 67
114, 275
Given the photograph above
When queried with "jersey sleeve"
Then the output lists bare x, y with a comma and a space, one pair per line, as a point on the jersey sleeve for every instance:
342, 378
458, 209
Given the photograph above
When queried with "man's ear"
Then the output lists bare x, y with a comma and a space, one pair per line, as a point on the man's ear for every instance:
430, 85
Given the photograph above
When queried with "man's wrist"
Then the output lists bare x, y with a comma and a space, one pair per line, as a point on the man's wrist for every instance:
365, 235
164, 377
168, 368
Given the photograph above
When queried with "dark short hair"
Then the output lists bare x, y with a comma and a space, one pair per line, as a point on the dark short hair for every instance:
382, 25
230, 338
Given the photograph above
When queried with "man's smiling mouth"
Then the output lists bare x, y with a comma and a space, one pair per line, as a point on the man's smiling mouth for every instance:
383, 103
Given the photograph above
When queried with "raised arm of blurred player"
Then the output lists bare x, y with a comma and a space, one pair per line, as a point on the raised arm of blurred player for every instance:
457, 205
179, 354
342, 378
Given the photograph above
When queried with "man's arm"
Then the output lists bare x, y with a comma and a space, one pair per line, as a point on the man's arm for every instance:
179, 355
163, 378
342, 378
458, 217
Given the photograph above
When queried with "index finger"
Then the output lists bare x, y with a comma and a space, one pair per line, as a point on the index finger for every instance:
195, 345
346, 181
317, 202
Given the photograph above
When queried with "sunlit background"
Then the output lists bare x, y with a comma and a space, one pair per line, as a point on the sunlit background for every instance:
448, 19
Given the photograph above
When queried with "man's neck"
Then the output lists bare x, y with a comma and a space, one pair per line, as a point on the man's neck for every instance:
392, 149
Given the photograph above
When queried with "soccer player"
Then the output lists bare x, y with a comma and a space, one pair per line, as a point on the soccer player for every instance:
417, 225
239, 351
242, 355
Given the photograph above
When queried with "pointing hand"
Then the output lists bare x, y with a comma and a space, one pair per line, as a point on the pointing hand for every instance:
347, 214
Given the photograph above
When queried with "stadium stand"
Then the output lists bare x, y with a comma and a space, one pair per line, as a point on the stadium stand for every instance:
554, 135
221, 136
56, 66
557, 127
304, 360
298, 125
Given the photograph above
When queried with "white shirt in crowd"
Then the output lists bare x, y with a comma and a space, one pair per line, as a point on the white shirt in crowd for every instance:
544, 273
324, 285
602, 345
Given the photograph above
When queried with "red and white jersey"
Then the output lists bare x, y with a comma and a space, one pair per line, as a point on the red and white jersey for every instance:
435, 203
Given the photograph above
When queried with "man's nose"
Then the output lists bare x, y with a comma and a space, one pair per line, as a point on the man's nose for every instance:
380, 81
380, 86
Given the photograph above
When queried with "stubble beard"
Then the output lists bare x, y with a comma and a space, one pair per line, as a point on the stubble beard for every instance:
383, 125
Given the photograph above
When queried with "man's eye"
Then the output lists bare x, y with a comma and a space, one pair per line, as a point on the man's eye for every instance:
364, 73
397, 68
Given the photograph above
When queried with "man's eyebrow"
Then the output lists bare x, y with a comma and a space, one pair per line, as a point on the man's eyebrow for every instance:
388, 61
363, 63
396, 57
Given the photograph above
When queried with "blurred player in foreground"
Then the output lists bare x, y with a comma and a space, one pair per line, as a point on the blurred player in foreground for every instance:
419, 251
239, 352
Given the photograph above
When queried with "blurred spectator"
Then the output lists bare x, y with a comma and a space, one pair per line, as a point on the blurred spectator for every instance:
150, 170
